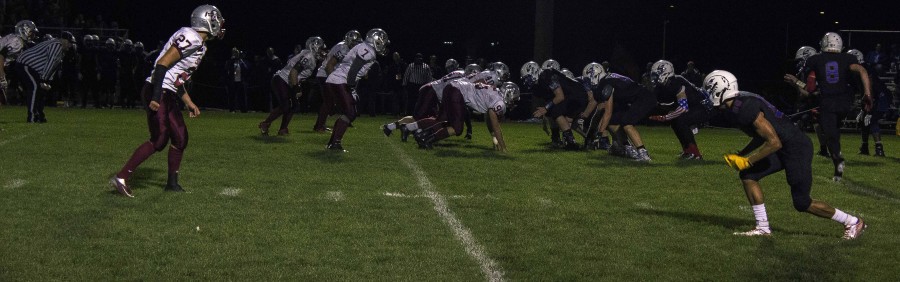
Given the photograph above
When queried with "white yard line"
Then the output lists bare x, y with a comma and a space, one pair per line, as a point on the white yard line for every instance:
13, 139
336, 196
15, 183
231, 192
490, 268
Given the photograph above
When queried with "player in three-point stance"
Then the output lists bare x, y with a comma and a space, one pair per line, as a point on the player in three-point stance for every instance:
165, 87
693, 107
778, 145
295, 71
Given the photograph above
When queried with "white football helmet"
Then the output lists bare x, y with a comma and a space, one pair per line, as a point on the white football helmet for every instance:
832, 42
805, 52
568, 73
352, 38
529, 73
139, 46
661, 71
472, 68
501, 69
550, 64
26, 30
379, 40
858, 54
110, 42
128, 43
510, 92
208, 18
720, 86
314, 44
595, 72
451, 65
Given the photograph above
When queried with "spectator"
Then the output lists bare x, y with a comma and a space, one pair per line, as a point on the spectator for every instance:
128, 93
693, 75
108, 65
267, 68
877, 56
895, 57
417, 74
69, 80
89, 74
393, 83
437, 71
237, 71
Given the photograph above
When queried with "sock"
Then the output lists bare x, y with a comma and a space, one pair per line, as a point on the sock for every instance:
692, 149
173, 179
762, 220
340, 127
412, 126
391, 126
640, 147
844, 218
175, 156
142, 153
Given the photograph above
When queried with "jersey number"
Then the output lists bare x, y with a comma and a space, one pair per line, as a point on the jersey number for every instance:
180, 40
831, 72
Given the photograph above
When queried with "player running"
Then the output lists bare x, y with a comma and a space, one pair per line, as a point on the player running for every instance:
174, 66
778, 145
296, 71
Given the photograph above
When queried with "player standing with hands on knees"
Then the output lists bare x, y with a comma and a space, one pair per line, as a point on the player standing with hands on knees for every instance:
165, 87
779, 145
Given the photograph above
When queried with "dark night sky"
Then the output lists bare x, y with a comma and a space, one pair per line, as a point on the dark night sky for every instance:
753, 39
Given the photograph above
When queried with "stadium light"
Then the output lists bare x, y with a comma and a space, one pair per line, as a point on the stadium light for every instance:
821, 12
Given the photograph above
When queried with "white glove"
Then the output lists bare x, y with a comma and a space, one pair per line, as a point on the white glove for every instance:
355, 96
4, 83
867, 120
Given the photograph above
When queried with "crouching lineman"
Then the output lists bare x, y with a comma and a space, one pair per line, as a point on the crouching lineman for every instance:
693, 107
596, 136
779, 145
174, 66
297, 70
341, 83
481, 98
627, 103
566, 100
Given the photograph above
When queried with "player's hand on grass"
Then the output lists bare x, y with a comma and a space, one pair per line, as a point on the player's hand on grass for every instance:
154, 105
737, 162
193, 110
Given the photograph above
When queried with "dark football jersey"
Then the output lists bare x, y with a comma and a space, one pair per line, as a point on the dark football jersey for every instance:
832, 79
747, 107
668, 93
549, 80
624, 89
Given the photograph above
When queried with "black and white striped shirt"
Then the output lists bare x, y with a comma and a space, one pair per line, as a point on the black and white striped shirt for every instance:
418, 74
44, 58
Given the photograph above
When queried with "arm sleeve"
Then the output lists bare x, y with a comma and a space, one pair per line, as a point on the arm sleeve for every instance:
682, 108
355, 70
159, 74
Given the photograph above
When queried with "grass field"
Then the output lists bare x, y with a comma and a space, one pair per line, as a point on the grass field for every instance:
284, 208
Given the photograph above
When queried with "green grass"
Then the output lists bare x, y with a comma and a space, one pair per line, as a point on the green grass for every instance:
304, 213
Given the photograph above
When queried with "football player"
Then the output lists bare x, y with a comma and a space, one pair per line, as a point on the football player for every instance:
341, 83
778, 145
832, 69
173, 68
628, 103
811, 104
10, 47
297, 70
335, 56
869, 119
566, 100
481, 98
694, 107
426, 106
596, 136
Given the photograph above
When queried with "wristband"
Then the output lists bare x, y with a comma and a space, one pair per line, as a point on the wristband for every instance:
549, 105
800, 84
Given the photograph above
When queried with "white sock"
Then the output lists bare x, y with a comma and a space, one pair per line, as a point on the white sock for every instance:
762, 220
844, 218
412, 126
391, 126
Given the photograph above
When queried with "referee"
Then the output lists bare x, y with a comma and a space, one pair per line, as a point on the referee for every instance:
418, 73
35, 68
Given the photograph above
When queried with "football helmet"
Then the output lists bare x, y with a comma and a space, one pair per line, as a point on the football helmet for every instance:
472, 68
67, 36
805, 52
47, 37
661, 71
529, 73
568, 73
352, 38
859, 55
208, 18
501, 69
128, 43
26, 30
550, 64
379, 40
832, 42
595, 72
314, 44
510, 92
451, 65
720, 86
139, 46
110, 41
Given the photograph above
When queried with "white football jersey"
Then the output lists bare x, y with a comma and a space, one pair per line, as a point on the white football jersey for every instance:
337, 52
480, 97
192, 48
440, 84
486, 77
363, 53
305, 62
10, 46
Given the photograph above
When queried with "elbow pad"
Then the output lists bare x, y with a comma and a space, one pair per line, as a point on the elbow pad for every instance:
159, 74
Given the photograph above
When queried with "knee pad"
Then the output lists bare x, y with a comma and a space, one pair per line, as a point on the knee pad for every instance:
159, 145
801, 204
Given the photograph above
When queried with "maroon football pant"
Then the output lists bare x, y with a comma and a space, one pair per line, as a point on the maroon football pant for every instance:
346, 104
451, 115
327, 107
426, 105
285, 103
165, 124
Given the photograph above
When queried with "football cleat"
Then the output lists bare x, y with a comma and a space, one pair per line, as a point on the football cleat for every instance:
322, 130
173, 188
879, 150
468, 135
642, 155
755, 232
864, 149
404, 133
264, 128
283, 132
838, 172
424, 138
853, 231
630, 152
336, 146
387, 131
824, 153
120, 186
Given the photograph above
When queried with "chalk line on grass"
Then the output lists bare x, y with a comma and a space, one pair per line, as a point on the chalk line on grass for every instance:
15, 183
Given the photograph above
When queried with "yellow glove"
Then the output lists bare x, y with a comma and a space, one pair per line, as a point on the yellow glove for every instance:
737, 162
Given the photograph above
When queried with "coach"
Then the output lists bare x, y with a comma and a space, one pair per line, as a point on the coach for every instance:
35, 68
